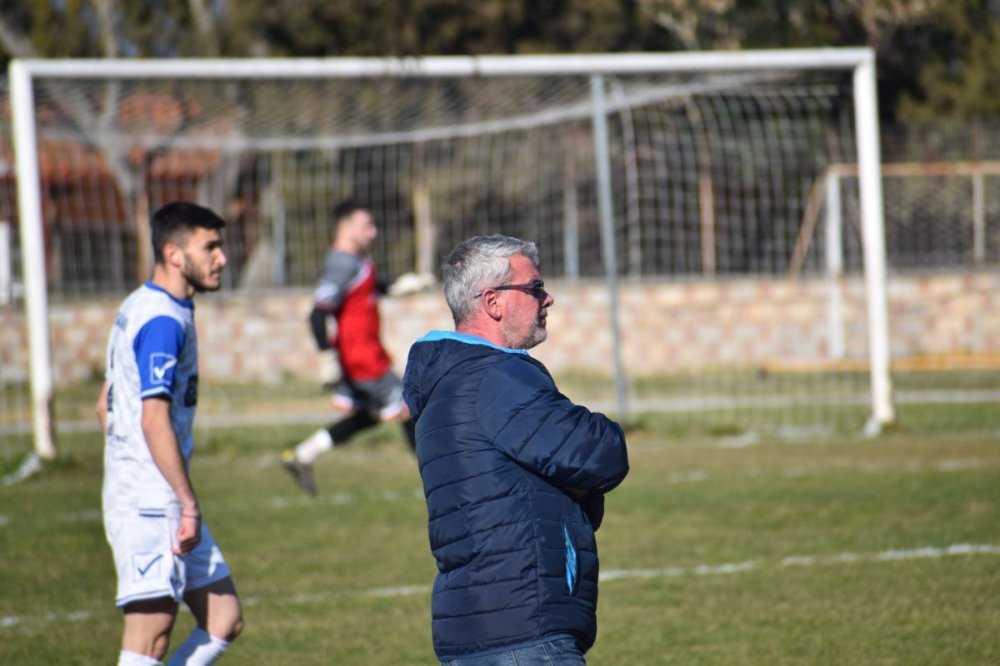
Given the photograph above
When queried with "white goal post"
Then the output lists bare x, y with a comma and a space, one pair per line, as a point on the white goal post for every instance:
25, 75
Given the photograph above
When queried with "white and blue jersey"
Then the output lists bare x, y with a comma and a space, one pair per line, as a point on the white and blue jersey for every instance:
152, 351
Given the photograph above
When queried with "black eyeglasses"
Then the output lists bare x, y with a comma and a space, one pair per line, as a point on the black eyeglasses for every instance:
536, 289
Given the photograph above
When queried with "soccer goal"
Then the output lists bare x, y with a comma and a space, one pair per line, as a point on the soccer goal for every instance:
673, 191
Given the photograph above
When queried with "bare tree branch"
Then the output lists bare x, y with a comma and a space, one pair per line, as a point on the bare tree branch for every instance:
106, 26
15, 43
671, 25
207, 27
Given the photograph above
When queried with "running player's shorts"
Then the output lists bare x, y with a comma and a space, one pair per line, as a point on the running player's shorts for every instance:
146, 567
383, 396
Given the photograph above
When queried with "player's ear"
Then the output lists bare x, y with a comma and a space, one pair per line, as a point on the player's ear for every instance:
173, 255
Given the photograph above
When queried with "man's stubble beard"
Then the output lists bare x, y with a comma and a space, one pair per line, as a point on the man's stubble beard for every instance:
535, 337
196, 281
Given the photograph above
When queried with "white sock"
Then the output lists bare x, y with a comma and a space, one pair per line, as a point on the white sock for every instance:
127, 658
200, 649
313, 447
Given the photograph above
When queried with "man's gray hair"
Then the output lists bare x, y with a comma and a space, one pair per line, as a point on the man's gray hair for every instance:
479, 263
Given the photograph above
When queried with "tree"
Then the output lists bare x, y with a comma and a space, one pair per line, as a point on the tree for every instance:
962, 54
935, 57
108, 28
694, 24
440, 27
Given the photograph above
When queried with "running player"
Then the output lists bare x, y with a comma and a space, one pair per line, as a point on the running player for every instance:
368, 390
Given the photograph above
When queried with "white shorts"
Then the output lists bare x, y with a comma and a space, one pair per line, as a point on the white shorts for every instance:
146, 567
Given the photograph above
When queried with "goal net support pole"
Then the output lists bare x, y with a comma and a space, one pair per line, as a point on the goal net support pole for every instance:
873, 236
29, 204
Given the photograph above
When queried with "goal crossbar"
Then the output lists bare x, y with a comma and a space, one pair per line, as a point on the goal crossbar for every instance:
441, 66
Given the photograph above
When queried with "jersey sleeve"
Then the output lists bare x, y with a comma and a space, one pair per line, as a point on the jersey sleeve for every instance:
157, 350
339, 273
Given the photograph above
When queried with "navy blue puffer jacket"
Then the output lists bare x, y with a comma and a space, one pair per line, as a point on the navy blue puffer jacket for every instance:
514, 475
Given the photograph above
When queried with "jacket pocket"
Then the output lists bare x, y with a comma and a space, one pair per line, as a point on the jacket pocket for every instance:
572, 562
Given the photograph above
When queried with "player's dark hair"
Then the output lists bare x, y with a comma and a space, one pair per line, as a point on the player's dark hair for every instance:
345, 209
174, 221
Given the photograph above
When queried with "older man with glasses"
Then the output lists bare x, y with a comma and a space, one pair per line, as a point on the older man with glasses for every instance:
514, 473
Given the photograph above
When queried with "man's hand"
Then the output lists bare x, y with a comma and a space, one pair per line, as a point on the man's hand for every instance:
188, 533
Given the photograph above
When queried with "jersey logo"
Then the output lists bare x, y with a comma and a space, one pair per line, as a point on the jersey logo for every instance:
159, 363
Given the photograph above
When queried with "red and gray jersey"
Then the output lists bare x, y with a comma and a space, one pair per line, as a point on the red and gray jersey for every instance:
347, 290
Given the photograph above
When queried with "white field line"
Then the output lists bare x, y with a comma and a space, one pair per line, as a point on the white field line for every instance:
927, 552
638, 405
682, 476
805, 561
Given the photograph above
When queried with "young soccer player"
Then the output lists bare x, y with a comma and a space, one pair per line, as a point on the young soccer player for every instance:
163, 551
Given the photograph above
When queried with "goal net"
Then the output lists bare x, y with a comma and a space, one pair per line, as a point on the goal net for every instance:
679, 203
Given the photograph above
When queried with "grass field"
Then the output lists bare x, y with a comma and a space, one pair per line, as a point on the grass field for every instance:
816, 550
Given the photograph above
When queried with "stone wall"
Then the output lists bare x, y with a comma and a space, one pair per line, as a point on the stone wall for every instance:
665, 326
